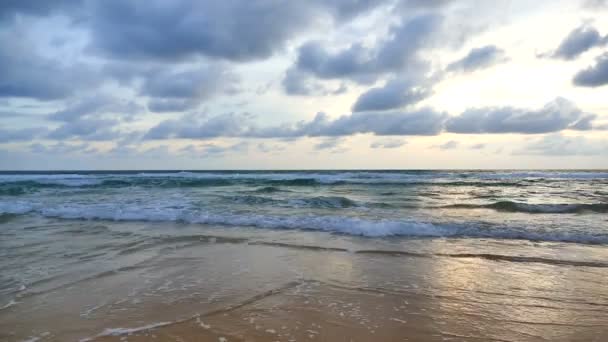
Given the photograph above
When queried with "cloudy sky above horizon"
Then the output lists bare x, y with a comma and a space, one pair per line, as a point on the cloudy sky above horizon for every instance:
263, 84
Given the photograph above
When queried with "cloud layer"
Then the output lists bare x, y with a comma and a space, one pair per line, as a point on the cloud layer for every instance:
81, 76
555, 116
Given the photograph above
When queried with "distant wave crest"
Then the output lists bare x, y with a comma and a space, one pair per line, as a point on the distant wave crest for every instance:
517, 207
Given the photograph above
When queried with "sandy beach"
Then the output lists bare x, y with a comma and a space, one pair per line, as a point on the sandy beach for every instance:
230, 284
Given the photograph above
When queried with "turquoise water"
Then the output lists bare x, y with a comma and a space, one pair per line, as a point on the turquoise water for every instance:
564, 206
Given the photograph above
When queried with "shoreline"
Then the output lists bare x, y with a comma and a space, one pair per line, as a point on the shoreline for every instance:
264, 285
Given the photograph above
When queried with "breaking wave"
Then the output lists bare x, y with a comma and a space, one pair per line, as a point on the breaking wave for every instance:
329, 223
516, 207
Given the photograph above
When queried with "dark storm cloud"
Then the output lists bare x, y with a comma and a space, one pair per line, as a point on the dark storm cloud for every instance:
578, 41
478, 58
557, 115
595, 75
394, 94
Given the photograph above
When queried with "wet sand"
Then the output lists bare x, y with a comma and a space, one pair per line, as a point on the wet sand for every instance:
264, 287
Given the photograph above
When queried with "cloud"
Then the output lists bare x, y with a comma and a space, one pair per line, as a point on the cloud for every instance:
170, 105
365, 64
197, 126
449, 145
97, 106
171, 90
93, 118
388, 143
26, 73
595, 4
479, 146
86, 128
329, 144
424, 121
297, 82
332, 144
595, 75
267, 148
478, 58
555, 116
212, 150
411, 4
559, 145
24, 134
10, 8
394, 94
236, 30
419, 122
581, 39
62, 148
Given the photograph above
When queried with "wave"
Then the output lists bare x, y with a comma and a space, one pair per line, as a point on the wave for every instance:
319, 202
489, 256
334, 224
269, 190
18, 183
324, 202
267, 186
518, 207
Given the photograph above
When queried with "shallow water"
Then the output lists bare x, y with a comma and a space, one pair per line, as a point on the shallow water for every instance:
264, 256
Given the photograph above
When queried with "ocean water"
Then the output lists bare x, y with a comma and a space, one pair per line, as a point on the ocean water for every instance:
523, 253
565, 206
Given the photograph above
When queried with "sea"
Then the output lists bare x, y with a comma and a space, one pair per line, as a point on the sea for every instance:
560, 206
62, 230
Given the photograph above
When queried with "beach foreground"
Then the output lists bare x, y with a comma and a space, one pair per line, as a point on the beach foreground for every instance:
100, 281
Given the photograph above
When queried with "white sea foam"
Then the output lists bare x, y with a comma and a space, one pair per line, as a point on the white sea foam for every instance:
12, 302
16, 207
126, 331
369, 227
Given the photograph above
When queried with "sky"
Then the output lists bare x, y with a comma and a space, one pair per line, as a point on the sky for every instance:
280, 84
